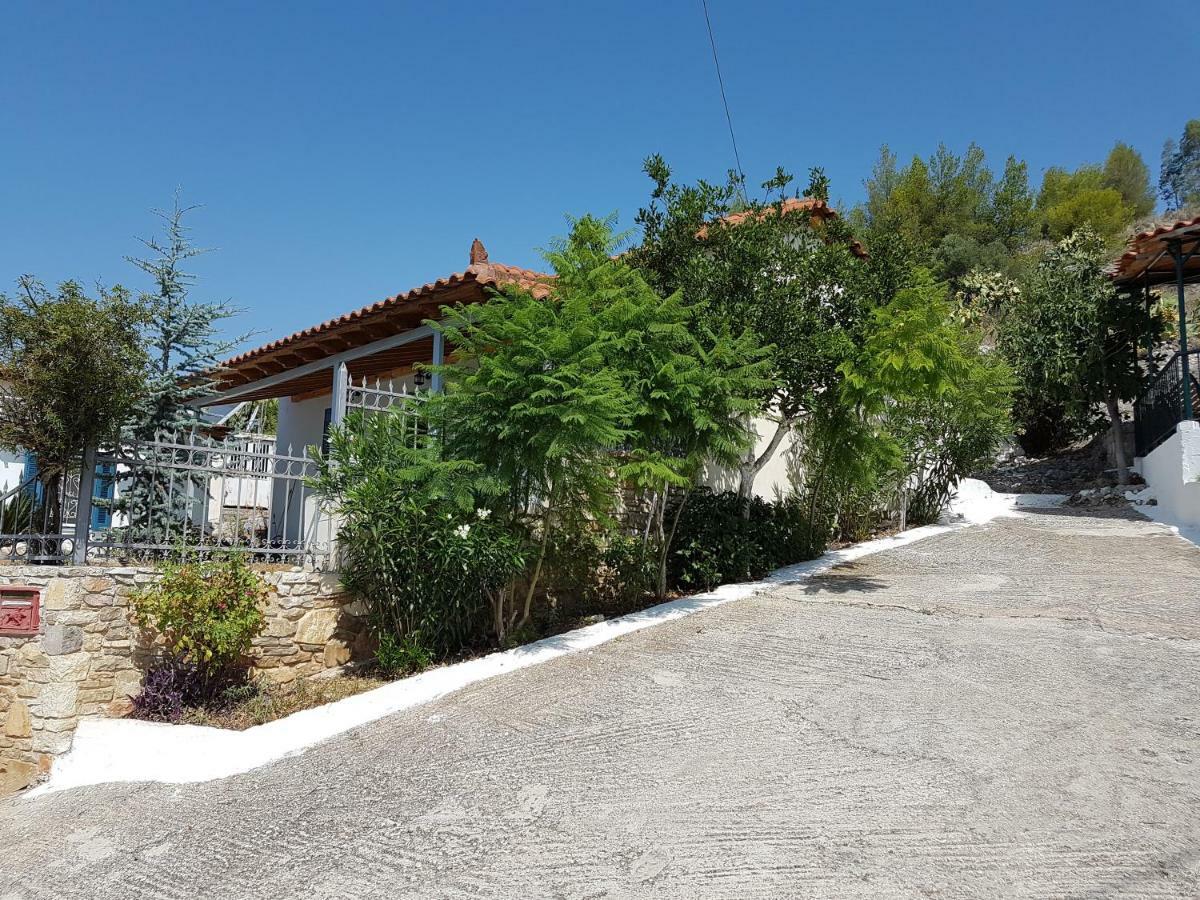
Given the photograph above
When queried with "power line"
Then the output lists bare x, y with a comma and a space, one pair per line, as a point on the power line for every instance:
721, 81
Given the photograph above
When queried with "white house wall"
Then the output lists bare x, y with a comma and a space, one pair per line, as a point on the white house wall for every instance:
12, 467
1172, 469
774, 480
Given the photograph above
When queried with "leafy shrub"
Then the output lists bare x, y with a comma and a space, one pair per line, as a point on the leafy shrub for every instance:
592, 570
717, 542
420, 544
207, 613
428, 572
402, 655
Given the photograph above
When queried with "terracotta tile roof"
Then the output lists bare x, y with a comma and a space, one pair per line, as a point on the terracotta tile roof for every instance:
483, 273
1145, 259
819, 209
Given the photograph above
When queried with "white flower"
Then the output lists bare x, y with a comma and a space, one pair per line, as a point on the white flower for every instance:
482, 514
462, 530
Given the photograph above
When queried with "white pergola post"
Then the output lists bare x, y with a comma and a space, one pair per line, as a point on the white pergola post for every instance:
341, 390
439, 351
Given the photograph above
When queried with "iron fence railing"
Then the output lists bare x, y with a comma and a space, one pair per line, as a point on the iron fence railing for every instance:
1160, 407
195, 495
37, 518
190, 495
181, 496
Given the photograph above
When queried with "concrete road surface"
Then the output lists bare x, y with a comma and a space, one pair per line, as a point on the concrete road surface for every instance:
1006, 710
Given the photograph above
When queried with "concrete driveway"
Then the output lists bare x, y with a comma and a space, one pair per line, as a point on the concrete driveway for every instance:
1005, 710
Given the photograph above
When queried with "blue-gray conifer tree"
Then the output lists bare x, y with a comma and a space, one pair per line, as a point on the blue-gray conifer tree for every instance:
185, 348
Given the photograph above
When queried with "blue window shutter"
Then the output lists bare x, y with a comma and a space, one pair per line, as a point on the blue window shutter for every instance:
28, 474
103, 490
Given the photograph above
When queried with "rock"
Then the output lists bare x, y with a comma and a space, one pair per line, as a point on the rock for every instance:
280, 676
58, 701
62, 593
365, 645
62, 639
15, 775
317, 626
279, 627
17, 723
53, 742
31, 654
71, 667
337, 653
119, 708
126, 684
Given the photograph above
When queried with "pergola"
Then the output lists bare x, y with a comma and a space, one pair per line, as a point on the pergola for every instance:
1168, 254
383, 339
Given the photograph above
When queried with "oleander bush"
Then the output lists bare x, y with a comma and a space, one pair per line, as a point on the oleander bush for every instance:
722, 538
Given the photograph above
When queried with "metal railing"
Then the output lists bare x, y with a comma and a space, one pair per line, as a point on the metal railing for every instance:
190, 495
378, 396
37, 518
181, 496
1160, 407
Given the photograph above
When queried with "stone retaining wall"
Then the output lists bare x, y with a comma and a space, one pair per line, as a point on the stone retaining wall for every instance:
87, 657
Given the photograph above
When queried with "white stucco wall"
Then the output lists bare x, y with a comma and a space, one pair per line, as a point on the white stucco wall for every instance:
301, 425
774, 480
12, 465
1172, 469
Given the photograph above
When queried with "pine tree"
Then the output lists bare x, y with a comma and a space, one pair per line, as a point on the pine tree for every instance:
185, 349
185, 345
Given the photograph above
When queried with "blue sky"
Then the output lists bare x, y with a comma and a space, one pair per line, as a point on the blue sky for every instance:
347, 151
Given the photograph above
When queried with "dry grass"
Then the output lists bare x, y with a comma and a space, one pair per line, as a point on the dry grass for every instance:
276, 701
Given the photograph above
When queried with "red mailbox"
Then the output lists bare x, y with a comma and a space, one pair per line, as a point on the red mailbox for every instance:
20, 607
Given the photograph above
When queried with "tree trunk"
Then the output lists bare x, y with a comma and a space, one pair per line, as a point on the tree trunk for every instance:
751, 465
537, 569
666, 547
1118, 441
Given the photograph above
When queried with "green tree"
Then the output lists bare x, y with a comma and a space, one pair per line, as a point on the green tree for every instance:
73, 367
1013, 206
951, 212
774, 268
1071, 201
183, 337
185, 349
1179, 179
556, 396
1126, 172
1072, 343
936, 399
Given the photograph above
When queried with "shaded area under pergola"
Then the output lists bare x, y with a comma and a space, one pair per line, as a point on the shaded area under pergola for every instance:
1168, 254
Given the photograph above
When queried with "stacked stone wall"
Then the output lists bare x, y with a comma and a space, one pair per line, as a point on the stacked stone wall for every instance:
87, 657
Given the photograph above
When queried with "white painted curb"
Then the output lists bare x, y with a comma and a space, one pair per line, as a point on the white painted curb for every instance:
124, 750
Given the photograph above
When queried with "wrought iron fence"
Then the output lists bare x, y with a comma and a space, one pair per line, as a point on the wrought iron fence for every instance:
188, 496
195, 495
37, 518
1161, 404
